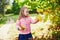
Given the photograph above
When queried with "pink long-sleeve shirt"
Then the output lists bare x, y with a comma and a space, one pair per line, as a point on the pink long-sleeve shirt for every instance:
26, 23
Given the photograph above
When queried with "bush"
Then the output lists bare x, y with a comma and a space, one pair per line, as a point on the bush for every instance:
33, 11
8, 11
15, 8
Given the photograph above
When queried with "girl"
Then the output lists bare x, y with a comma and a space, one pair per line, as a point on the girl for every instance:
23, 24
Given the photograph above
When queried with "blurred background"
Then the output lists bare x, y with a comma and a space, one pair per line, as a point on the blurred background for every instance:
47, 11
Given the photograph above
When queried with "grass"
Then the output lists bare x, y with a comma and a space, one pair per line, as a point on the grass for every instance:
14, 17
4, 19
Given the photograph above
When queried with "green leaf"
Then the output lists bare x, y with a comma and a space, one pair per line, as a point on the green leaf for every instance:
46, 17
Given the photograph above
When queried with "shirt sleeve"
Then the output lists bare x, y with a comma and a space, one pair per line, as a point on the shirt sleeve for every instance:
17, 24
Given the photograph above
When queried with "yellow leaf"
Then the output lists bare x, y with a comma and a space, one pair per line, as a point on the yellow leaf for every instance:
39, 17
55, 18
39, 10
22, 27
45, 13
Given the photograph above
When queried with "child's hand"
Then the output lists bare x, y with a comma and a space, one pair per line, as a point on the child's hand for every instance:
38, 17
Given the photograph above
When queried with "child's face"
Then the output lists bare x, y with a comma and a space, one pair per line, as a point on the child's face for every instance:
26, 12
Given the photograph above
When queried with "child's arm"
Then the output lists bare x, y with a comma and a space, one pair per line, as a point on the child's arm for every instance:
38, 18
34, 21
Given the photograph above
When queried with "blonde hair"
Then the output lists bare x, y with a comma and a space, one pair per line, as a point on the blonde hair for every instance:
21, 13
